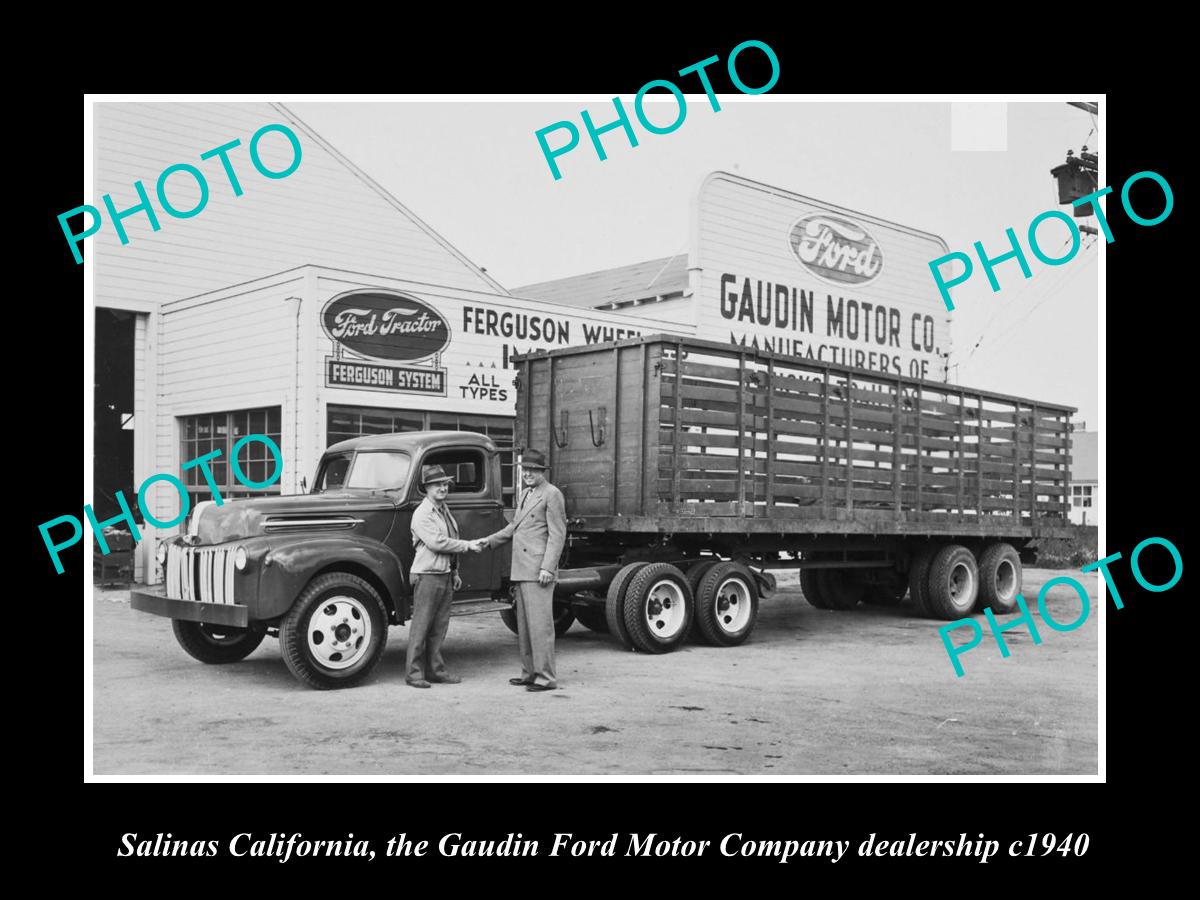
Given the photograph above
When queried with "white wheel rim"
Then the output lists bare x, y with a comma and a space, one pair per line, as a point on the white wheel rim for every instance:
1006, 580
665, 610
962, 584
339, 632
731, 606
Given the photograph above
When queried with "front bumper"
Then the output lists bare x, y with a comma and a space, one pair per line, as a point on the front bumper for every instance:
156, 602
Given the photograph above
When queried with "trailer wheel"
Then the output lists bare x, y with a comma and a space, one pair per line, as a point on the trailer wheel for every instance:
999, 578
593, 618
840, 588
695, 574
658, 608
811, 589
335, 632
216, 644
564, 618
614, 603
918, 579
953, 583
727, 604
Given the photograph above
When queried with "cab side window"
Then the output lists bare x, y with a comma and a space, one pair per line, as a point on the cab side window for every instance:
333, 474
466, 466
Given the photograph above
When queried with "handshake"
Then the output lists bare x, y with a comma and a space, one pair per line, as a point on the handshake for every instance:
478, 545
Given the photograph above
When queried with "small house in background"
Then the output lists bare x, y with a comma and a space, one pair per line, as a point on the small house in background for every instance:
1085, 474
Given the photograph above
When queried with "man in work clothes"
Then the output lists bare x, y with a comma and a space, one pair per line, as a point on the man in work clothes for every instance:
435, 578
538, 531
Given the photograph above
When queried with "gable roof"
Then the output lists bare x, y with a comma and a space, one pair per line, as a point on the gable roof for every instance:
625, 284
328, 212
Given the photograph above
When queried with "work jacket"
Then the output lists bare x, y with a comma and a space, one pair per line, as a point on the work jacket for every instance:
435, 537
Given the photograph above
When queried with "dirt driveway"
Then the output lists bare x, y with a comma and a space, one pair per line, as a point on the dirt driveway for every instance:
870, 691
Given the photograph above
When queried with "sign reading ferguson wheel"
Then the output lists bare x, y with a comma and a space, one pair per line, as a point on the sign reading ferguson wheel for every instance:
803, 278
391, 327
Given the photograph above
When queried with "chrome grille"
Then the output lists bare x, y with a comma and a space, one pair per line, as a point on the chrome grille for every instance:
203, 574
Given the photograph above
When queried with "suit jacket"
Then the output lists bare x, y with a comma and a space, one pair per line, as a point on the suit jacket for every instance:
538, 532
435, 538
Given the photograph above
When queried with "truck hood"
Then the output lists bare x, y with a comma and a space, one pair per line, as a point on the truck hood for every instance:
357, 512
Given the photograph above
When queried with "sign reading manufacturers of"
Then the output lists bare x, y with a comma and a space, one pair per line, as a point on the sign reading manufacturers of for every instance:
389, 326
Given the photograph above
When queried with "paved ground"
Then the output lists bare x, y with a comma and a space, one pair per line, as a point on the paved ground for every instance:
813, 692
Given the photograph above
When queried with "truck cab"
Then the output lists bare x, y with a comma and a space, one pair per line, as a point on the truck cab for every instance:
327, 571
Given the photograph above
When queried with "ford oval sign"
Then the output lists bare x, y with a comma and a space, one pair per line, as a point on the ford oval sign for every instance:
836, 249
385, 325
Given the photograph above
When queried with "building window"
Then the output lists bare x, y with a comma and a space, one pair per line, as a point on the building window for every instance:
343, 422
220, 431
1082, 495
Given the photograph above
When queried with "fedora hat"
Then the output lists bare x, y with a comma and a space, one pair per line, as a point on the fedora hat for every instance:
430, 474
533, 459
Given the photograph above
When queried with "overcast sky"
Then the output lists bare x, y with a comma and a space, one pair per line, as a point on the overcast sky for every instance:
474, 171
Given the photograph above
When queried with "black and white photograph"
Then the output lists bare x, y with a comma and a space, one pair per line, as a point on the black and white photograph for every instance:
699, 433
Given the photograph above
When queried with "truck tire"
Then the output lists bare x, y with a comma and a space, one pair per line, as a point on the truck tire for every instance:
953, 583
726, 605
918, 579
999, 578
335, 632
216, 644
593, 618
614, 603
811, 589
658, 608
840, 588
694, 574
564, 618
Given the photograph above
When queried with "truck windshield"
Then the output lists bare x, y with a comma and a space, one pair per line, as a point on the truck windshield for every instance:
379, 470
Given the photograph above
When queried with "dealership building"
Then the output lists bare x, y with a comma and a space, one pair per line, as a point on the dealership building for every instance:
315, 307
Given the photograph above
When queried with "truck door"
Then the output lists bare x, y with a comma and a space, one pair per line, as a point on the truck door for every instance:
475, 501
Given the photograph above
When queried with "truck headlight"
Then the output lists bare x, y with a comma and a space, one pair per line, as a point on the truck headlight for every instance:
240, 558
161, 553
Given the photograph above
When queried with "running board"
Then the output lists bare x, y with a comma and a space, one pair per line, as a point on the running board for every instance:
475, 607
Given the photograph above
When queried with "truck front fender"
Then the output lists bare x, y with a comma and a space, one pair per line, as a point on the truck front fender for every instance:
291, 564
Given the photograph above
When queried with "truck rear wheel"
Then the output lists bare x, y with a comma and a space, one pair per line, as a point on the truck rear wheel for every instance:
564, 618
614, 603
658, 608
215, 644
953, 583
918, 579
593, 618
999, 578
335, 632
726, 606
695, 573
840, 588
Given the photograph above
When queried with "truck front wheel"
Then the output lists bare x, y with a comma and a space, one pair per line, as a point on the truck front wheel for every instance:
335, 632
215, 644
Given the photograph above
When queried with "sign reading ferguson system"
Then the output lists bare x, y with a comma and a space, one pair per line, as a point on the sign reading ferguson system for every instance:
390, 326
798, 277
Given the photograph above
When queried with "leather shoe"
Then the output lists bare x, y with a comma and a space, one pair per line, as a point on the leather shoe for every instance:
446, 679
540, 687
519, 681
418, 683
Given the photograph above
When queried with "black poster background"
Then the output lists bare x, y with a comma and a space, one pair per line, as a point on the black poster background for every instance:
73, 826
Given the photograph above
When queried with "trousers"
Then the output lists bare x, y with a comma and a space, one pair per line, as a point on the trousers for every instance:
535, 631
432, 597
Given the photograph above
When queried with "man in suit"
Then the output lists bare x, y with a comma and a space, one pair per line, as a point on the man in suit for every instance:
434, 576
538, 532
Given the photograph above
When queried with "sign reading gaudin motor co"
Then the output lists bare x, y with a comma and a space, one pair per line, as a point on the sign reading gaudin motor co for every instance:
389, 326
803, 278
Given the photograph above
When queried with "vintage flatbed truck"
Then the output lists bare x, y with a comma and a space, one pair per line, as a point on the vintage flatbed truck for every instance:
690, 469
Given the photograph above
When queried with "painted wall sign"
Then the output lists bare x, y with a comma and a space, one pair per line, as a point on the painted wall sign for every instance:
836, 249
367, 376
386, 325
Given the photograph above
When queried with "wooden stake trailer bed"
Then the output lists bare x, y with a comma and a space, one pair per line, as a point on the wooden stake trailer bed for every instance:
690, 459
